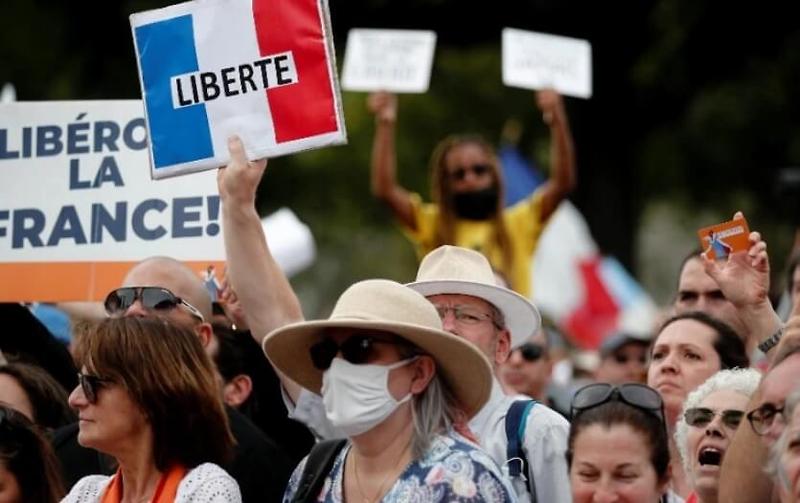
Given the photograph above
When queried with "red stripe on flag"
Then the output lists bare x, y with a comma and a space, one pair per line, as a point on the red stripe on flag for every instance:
306, 108
597, 315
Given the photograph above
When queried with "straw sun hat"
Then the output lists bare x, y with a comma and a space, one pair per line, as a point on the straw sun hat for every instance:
455, 270
391, 307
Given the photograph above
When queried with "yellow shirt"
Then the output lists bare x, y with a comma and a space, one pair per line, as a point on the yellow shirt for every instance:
523, 225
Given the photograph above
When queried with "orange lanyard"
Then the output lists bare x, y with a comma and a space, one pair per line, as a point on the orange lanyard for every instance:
166, 489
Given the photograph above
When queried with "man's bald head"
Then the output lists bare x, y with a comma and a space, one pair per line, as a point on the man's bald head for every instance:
176, 277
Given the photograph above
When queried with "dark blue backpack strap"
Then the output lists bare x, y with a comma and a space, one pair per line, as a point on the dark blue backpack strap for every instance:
516, 418
319, 463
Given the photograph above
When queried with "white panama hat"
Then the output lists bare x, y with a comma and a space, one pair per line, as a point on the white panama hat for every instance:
455, 270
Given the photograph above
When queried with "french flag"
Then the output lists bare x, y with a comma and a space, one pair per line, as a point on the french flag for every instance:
260, 69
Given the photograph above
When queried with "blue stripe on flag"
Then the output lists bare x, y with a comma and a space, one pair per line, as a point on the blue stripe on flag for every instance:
166, 48
521, 176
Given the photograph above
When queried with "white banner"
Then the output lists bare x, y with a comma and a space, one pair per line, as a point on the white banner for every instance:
76, 194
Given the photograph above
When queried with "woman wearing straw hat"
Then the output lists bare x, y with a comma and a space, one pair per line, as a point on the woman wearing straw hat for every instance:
402, 390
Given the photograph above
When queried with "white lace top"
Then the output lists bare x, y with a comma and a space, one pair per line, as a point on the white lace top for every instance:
207, 483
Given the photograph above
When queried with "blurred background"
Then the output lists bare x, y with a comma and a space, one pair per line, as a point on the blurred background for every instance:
694, 115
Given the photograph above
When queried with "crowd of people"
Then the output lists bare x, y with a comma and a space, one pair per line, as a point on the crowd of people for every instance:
440, 389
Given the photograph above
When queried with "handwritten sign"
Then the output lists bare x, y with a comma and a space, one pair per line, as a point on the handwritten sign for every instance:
399, 61
537, 61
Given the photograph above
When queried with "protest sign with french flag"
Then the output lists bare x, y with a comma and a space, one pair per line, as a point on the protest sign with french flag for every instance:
260, 69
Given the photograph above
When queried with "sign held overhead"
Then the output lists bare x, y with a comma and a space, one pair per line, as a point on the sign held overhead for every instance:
260, 69
539, 61
398, 61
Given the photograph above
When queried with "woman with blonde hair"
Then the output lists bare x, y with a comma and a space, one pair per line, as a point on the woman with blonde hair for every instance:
149, 397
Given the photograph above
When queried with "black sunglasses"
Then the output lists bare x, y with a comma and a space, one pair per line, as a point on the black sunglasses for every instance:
460, 173
90, 384
530, 351
701, 416
637, 395
761, 419
152, 297
357, 349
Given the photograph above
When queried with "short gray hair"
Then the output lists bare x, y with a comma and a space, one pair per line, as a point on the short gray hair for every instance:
743, 381
774, 466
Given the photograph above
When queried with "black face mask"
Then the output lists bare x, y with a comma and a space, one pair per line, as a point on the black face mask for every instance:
477, 204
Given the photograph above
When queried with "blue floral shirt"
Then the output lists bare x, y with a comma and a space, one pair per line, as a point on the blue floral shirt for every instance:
452, 470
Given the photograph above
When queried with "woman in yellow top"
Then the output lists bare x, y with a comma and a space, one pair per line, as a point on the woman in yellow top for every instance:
468, 192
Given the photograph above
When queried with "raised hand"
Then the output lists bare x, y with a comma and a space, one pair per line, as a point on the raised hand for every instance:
744, 276
383, 105
551, 104
238, 181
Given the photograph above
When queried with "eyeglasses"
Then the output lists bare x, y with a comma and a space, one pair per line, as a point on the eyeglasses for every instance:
90, 385
701, 416
465, 314
152, 297
460, 173
761, 419
531, 352
357, 349
636, 395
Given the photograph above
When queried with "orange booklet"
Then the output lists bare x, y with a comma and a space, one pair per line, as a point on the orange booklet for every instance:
719, 241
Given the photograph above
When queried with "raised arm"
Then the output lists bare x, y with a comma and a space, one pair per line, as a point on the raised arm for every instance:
383, 165
263, 290
744, 280
563, 176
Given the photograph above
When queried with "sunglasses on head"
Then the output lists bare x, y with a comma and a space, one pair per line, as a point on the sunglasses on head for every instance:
151, 297
460, 173
761, 419
531, 351
357, 349
699, 417
90, 385
637, 395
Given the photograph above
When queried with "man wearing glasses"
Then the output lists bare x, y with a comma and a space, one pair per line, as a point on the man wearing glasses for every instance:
768, 420
741, 477
528, 368
461, 285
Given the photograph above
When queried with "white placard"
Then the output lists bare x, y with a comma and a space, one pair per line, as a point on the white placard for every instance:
78, 207
398, 61
538, 61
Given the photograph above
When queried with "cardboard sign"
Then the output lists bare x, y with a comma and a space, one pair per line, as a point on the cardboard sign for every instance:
260, 69
78, 209
719, 241
399, 61
538, 61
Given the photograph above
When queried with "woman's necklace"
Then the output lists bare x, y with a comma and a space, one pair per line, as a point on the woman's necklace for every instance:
379, 493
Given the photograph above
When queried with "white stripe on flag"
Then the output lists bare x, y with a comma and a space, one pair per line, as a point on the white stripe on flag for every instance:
227, 115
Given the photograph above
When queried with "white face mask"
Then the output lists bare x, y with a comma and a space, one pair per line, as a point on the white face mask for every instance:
357, 397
